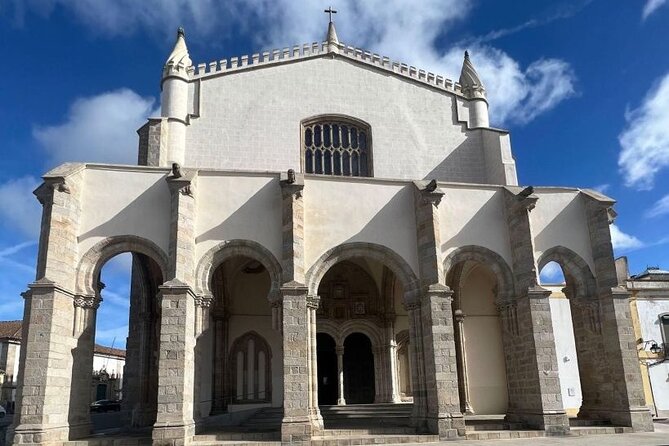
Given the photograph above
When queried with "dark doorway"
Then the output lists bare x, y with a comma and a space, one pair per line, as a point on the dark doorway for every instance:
358, 369
326, 351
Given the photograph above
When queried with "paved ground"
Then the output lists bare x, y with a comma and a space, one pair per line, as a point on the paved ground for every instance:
658, 438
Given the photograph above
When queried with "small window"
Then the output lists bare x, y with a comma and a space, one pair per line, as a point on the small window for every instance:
336, 146
664, 326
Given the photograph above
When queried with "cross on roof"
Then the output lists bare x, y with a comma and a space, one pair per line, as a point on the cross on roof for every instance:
331, 11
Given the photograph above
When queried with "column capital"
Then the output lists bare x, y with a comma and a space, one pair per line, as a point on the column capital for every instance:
459, 315
87, 302
293, 288
313, 301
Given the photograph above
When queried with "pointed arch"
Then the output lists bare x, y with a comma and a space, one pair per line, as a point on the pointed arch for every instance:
576, 271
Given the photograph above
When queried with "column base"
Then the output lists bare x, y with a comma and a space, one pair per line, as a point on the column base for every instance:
168, 434
553, 422
638, 418
296, 432
448, 426
37, 433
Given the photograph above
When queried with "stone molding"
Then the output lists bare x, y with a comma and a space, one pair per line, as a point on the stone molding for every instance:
373, 251
91, 263
228, 249
485, 256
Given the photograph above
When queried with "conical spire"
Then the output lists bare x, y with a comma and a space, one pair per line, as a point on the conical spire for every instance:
179, 59
332, 39
469, 79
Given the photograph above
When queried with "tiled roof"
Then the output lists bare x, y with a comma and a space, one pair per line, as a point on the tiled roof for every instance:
10, 330
101, 349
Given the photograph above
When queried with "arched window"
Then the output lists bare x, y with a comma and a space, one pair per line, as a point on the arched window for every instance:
250, 367
334, 145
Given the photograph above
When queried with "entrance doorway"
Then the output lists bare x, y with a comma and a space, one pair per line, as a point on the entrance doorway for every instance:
358, 369
326, 350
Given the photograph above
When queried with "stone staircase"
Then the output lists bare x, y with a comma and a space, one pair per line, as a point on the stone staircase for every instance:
580, 427
494, 427
263, 427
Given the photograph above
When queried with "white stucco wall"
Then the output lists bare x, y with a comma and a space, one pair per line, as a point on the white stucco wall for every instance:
341, 210
559, 219
565, 347
251, 120
124, 202
649, 310
238, 206
111, 364
474, 216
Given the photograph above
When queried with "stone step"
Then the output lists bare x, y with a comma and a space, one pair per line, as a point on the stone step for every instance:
329, 440
236, 442
368, 430
237, 436
576, 422
110, 441
578, 431
503, 434
471, 427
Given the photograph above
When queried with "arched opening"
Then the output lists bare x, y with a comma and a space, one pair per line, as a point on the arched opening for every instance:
360, 295
580, 345
326, 349
117, 327
358, 369
242, 371
552, 278
478, 335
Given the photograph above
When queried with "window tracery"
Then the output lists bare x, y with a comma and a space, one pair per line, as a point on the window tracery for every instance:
250, 367
336, 146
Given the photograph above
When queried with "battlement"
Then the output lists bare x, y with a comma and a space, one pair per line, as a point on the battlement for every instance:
316, 49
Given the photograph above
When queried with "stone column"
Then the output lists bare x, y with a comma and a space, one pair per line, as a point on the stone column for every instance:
532, 374
45, 382
465, 402
392, 365
434, 316
176, 369
341, 400
312, 305
297, 426
626, 403
300, 418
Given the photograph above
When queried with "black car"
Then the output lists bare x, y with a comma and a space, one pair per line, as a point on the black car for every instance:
106, 406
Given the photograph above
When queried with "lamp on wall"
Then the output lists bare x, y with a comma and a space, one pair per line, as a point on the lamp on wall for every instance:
654, 347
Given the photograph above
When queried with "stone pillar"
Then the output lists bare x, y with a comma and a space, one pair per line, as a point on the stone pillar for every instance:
176, 369
45, 382
341, 400
312, 305
176, 372
626, 403
465, 402
535, 398
300, 418
296, 427
433, 318
391, 351
219, 404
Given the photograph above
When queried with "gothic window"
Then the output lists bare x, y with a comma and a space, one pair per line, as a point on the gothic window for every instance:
250, 367
337, 146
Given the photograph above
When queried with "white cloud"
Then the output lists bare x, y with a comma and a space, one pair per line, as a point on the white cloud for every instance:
413, 35
624, 242
645, 140
100, 128
651, 6
551, 273
19, 208
661, 207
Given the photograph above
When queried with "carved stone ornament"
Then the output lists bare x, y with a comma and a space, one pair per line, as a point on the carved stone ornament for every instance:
204, 301
87, 302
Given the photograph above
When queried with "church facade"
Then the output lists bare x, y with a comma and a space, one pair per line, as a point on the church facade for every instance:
321, 226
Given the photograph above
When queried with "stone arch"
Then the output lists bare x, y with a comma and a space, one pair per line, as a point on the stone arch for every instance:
91, 263
339, 332
379, 253
576, 271
485, 256
223, 251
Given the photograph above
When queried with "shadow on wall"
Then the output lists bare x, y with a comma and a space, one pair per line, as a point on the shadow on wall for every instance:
553, 234
464, 164
386, 228
485, 222
251, 219
133, 216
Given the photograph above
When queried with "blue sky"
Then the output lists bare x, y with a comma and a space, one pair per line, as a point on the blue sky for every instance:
582, 85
